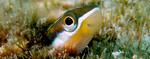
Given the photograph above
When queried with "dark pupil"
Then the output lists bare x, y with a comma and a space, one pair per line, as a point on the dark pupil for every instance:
68, 21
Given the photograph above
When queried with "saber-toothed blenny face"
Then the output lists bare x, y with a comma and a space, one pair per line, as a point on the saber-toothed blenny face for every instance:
75, 29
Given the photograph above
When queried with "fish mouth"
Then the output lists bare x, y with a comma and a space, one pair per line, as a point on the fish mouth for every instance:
94, 21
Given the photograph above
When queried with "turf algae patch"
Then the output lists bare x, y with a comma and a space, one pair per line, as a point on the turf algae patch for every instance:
127, 20
127, 27
125, 32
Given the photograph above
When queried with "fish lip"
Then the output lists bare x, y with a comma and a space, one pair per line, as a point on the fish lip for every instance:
93, 26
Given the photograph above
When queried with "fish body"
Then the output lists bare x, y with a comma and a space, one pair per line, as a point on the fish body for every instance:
75, 28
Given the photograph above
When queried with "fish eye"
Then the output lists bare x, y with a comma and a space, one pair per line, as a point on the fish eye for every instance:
69, 21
